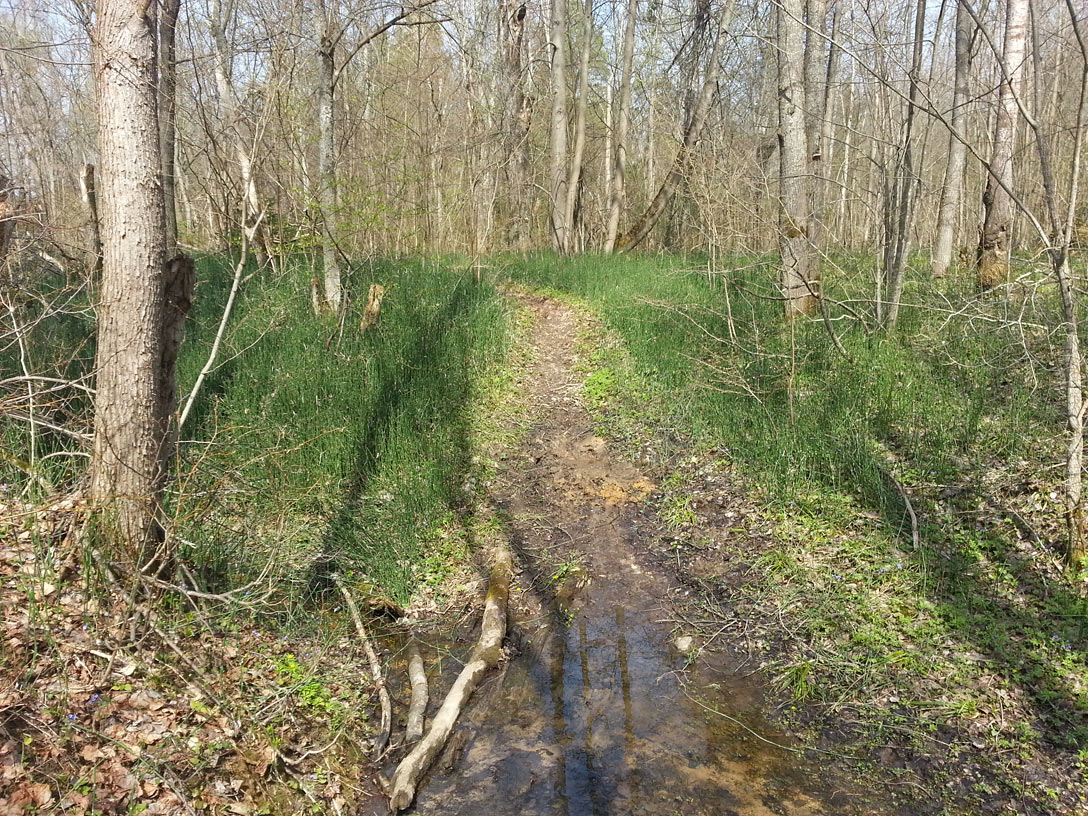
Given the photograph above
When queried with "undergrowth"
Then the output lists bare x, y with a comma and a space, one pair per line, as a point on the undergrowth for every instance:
320, 447
975, 641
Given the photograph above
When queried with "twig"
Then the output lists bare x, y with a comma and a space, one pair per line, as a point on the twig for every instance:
375, 669
485, 656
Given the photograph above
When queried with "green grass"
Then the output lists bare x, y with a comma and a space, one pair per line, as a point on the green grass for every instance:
314, 441
962, 406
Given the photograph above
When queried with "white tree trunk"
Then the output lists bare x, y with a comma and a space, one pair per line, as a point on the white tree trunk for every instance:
798, 287
957, 149
623, 118
557, 41
995, 241
326, 161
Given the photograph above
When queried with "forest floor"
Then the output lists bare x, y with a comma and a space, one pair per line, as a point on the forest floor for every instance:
632, 684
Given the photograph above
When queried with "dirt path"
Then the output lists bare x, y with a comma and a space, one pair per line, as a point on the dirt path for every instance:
594, 715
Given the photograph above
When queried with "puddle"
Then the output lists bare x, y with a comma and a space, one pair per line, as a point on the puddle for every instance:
593, 716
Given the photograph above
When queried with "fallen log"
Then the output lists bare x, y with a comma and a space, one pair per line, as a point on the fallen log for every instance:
413, 731
485, 656
382, 739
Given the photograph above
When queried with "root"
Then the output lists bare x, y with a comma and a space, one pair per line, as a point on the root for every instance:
382, 739
485, 656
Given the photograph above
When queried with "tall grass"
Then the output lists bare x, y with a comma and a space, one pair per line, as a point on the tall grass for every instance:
313, 441
938, 399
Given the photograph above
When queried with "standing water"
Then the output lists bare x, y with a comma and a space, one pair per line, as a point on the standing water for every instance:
599, 713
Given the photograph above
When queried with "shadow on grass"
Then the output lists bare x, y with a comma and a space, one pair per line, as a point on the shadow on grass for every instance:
416, 387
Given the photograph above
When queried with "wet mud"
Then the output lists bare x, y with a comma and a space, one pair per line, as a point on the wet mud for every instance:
604, 709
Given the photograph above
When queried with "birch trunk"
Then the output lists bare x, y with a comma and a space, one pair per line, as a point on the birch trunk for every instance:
623, 119
557, 38
799, 290
327, 197
995, 238
952, 190
575, 178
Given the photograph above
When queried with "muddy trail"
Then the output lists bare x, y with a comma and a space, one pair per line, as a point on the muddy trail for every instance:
604, 709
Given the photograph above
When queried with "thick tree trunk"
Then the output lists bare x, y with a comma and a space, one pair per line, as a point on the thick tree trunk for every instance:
642, 227
799, 288
326, 161
623, 119
138, 327
557, 41
574, 181
957, 150
995, 238
168, 84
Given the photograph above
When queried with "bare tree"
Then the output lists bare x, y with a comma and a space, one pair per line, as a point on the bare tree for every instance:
574, 179
901, 188
799, 287
557, 192
952, 189
995, 237
623, 123
168, 82
328, 33
694, 132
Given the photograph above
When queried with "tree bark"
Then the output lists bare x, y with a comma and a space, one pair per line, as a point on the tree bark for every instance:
144, 295
575, 178
642, 227
995, 238
952, 190
327, 197
516, 120
557, 40
90, 204
168, 84
799, 288
899, 205
623, 119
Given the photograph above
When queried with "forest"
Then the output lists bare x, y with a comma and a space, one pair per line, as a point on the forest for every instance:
543, 407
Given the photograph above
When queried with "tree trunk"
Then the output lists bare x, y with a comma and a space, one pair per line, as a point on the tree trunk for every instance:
623, 119
799, 288
516, 120
1060, 241
168, 84
899, 205
957, 150
558, 177
995, 237
642, 227
575, 178
326, 161
819, 139
225, 88
90, 203
137, 326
